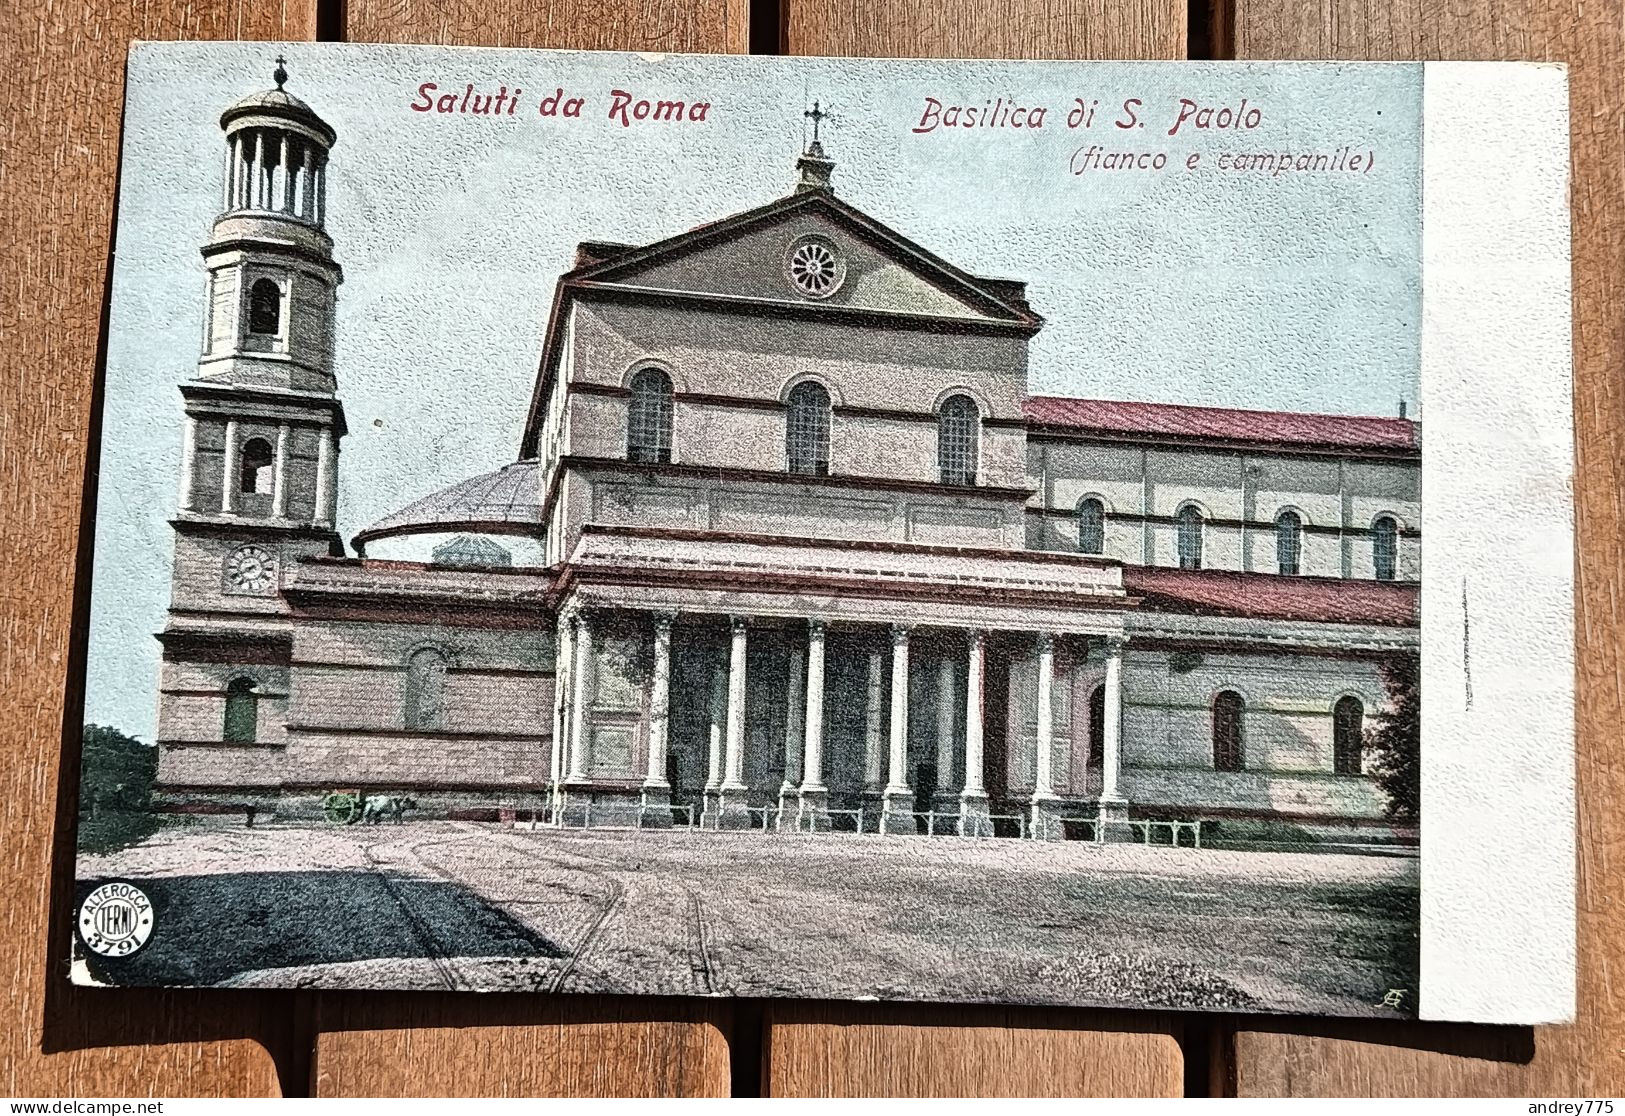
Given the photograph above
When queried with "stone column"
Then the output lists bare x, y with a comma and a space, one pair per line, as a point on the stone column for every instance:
717, 704
306, 206
973, 809
795, 717
229, 479
188, 494
256, 198
285, 202
279, 474
897, 802
1046, 822
562, 678
656, 812
948, 714
733, 795
1113, 807
575, 797
326, 477
813, 805
874, 751
580, 698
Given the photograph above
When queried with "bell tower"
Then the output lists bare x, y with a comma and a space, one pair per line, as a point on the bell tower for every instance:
814, 169
259, 461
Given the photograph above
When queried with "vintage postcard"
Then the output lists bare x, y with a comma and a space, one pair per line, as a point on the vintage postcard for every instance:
984, 532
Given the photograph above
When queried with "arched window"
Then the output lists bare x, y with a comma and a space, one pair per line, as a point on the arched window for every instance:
1097, 727
648, 420
1348, 735
1227, 717
1288, 542
1091, 526
958, 432
242, 712
426, 689
1384, 547
265, 308
806, 430
1190, 537
254, 474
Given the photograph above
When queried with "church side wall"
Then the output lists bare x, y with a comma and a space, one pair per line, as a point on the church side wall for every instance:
1287, 739
489, 743
1240, 495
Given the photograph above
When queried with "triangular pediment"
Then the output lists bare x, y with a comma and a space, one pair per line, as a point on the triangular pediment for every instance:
754, 256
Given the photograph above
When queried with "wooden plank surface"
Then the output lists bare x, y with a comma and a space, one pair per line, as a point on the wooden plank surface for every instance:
429, 1044
60, 110
975, 29
701, 26
860, 1049
1588, 1057
824, 1050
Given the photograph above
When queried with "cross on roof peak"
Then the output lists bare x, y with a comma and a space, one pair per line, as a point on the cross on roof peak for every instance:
817, 115
280, 74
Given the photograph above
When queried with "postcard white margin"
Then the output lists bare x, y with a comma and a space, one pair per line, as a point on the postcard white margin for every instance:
1498, 845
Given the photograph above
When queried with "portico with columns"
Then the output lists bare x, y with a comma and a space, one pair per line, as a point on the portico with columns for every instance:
775, 704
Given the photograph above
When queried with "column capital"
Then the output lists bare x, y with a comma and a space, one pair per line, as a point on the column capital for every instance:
899, 635
1115, 645
663, 620
1046, 643
815, 628
975, 637
738, 624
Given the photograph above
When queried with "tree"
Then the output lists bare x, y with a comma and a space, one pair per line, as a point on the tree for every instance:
1394, 743
115, 788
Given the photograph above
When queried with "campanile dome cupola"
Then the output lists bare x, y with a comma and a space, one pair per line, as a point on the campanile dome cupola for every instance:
276, 162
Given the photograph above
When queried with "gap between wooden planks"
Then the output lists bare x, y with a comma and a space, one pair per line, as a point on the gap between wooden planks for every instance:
1586, 1058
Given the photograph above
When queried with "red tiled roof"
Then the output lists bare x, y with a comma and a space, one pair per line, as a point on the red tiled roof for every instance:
1272, 596
1222, 423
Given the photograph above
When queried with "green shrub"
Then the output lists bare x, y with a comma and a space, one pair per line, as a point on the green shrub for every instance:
1250, 831
115, 790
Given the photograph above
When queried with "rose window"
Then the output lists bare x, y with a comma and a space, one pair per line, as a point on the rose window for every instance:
815, 268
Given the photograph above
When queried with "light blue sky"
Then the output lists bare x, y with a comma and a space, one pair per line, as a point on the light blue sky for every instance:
1300, 292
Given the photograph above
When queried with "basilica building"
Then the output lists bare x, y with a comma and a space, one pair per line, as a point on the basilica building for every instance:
807, 555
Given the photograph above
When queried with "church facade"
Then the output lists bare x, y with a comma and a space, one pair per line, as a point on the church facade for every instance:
811, 555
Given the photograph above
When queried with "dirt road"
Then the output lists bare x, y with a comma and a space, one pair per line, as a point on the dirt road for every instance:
450, 905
